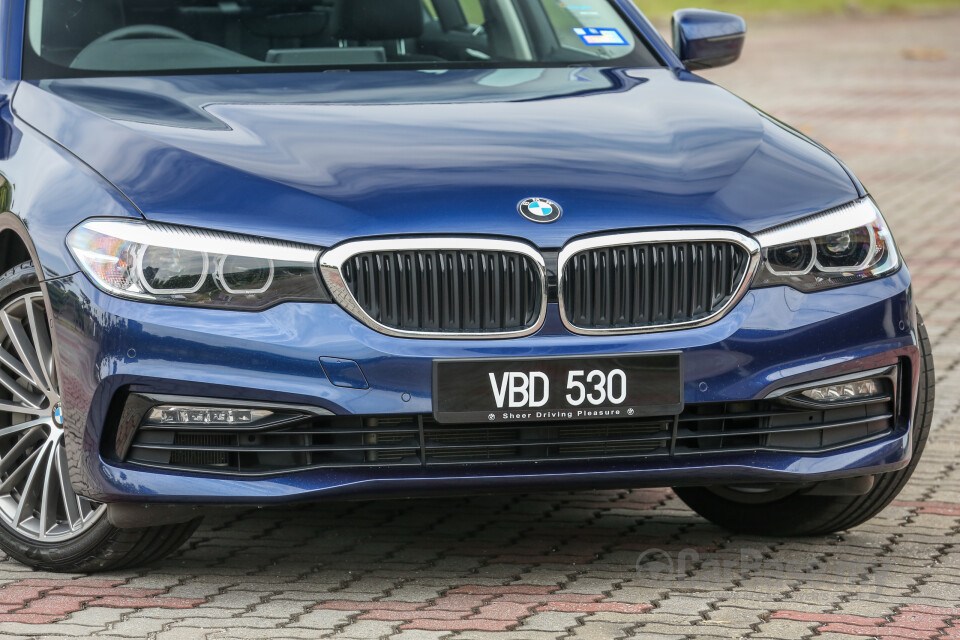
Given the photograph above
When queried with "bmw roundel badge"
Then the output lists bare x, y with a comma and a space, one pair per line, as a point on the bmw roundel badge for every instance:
539, 210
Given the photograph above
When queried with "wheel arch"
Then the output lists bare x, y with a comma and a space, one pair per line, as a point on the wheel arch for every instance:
13, 250
16, 246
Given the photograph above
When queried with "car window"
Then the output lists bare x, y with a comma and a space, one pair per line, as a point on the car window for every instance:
591, 28
472, 10
95, 37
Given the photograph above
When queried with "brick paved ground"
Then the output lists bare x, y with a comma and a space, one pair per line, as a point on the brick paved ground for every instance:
885, 94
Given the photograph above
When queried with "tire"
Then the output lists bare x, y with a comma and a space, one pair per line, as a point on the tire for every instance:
43, 522
797, 514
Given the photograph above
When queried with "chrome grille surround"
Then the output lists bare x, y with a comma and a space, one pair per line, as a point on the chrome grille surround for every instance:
332, 263
576, 247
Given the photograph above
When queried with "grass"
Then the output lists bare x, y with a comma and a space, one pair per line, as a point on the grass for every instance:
664, 8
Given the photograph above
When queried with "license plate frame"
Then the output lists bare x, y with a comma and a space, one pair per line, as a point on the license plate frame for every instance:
464, 392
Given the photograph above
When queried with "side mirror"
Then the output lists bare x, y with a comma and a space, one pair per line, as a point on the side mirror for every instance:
705, 39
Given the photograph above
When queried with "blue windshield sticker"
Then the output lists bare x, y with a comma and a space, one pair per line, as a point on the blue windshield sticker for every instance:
600, 37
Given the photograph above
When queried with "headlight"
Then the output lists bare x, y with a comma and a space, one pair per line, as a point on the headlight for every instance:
186, 266
842, 246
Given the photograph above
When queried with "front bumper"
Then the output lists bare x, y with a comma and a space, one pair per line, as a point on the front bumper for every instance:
773, 338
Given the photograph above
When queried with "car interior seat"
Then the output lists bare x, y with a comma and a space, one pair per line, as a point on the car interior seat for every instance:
395, 24
299, 27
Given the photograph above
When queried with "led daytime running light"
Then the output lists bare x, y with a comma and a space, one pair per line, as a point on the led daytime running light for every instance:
195, 267
844, 392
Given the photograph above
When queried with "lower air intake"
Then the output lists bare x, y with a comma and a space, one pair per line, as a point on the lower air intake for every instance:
285, 442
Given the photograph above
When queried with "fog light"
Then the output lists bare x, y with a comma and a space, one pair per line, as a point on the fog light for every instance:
168, 414
843, 392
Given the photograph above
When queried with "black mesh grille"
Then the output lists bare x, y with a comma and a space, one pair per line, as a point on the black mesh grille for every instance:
455, 291
200, 449
649, 285
291, 443
447, 444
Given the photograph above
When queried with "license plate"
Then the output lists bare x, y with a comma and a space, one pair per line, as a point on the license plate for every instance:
557, 389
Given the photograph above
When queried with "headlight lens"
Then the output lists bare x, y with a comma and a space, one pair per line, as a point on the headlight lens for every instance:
839, 247
193, 267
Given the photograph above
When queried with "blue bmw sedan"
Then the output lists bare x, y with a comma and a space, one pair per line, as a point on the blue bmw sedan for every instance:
269, 251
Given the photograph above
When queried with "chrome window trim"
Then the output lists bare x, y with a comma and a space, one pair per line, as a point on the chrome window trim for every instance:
571, 249
332, 260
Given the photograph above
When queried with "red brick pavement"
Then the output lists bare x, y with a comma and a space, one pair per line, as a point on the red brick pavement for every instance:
482, 608
933, 507
911, 622
41, 601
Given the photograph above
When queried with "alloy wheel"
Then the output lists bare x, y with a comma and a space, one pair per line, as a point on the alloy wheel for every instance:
37, 499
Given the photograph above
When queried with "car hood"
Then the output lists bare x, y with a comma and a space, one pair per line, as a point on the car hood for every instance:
322, 157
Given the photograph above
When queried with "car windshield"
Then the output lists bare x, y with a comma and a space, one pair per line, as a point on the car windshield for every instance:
69, 38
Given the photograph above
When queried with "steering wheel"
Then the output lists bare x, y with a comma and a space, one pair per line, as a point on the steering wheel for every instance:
141, 31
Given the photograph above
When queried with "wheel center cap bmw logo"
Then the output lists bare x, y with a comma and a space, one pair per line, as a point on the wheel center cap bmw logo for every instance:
58, 414
539, 210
